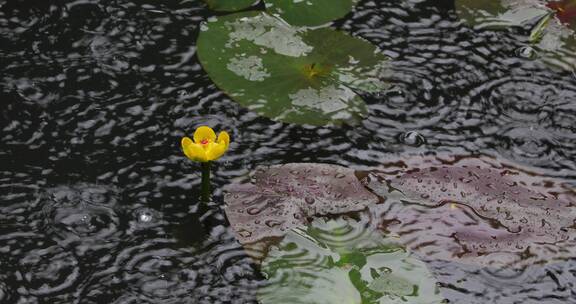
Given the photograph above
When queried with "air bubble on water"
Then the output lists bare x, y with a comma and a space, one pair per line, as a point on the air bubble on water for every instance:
526, 52
412, 138
395, 91
145, 216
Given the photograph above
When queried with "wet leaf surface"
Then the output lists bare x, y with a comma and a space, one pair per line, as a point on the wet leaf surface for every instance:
283, 197
477, 212
287, 73
344, 261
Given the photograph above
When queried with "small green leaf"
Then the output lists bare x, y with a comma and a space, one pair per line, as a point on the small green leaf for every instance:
538, 31
229, 5
309, 12
295, 75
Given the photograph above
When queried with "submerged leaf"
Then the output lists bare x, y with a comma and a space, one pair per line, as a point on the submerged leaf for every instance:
477, 213
290, 74
312, 266
309, 12
282, 197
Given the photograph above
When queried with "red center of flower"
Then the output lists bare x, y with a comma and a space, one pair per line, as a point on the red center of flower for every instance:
204, 141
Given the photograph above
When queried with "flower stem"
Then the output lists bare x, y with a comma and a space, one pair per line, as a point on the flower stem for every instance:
206, 182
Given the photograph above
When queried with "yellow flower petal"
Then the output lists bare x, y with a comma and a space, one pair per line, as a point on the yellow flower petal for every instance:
186, 141
215, 151
193, 151
204, 133
198, 153
224, 138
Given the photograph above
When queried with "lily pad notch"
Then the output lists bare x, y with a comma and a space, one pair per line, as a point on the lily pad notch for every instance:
291, 74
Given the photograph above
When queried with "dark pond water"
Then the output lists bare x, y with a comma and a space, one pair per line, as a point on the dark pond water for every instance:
99, 205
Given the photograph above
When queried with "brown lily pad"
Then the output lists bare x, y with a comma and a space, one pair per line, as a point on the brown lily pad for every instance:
477, 211
284, 196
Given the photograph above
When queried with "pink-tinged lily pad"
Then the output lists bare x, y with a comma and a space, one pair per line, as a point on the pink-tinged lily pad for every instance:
285, 196
477, 211
565, 11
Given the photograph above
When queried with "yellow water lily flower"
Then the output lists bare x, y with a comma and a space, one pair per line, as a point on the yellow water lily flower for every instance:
205, 147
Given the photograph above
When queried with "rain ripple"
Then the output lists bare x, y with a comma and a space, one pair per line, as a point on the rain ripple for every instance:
81, 215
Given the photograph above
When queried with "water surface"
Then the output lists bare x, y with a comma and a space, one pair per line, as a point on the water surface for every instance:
99, 205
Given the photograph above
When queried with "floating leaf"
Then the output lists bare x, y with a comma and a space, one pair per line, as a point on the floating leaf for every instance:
499, 14
553, 23
282, 197
341, 261
290, 74
476, 212
229, 5
309, 12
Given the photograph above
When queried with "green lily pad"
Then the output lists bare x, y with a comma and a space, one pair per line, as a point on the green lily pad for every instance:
342, 261
290, 74
309, 12
229, 5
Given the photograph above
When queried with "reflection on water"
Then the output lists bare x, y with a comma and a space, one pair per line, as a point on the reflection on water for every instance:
98, 205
